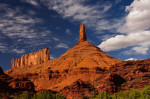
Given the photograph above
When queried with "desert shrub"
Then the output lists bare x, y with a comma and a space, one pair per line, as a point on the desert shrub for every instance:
93, 96
85, 97
120, 95
134, 94
34, 96
45, 95
103, 95
146, 93
60, 96
25, 95
48, 95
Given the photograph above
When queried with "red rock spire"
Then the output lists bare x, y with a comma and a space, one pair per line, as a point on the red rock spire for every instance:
82, 35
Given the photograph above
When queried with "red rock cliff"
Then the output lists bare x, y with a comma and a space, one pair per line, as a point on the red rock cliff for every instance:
82, 35
31, 59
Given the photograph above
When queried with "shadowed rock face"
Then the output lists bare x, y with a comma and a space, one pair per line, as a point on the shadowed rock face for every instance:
31, 59
1, 71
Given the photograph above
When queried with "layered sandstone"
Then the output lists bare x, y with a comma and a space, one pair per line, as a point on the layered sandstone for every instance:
32, 59
82, 35
86, 55
82, 70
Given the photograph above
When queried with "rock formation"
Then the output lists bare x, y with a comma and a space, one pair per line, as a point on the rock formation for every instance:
22, 84
84, 54
78, 88
1, 71
82, 35
82, 70
32, 59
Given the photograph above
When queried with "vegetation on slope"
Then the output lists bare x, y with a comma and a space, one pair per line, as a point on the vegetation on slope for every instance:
45, 95
132, 94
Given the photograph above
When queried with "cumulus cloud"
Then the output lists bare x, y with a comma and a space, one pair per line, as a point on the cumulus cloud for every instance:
62, 45
136, 30
139, 15
123, 41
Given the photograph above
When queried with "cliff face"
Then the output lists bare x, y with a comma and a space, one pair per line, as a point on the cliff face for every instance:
31, 59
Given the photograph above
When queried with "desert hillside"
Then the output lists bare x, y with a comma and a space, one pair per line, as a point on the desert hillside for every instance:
83, 70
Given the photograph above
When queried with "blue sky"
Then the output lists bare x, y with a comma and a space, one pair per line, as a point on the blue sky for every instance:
121, 28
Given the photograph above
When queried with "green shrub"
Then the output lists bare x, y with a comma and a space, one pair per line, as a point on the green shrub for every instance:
120, 95
132, 94
85, 97
146, 93
25, 95
135, 94
93, 96
60, 96
34, 96
103, 95
45, 95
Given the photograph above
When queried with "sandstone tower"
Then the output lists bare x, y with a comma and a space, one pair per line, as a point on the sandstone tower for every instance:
82, 35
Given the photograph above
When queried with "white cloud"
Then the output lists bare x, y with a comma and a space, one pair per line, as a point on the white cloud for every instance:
18, 51
52, 57
105, 37
123, 41
62, 45
56, 39
136, 30
139, 15
136, 50
19, 28
68, 32
33, 2
131, 59
94, 16
140, 50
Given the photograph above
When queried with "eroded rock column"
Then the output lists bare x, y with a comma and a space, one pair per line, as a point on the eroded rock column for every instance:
82, 35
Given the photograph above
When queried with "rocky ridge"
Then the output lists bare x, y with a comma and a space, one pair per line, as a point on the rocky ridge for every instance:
31, 59
83, 70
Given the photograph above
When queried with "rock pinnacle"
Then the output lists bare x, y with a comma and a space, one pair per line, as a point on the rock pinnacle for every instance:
82, 36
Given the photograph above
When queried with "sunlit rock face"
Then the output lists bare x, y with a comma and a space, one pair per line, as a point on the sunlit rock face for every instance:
82, 35
31, 59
